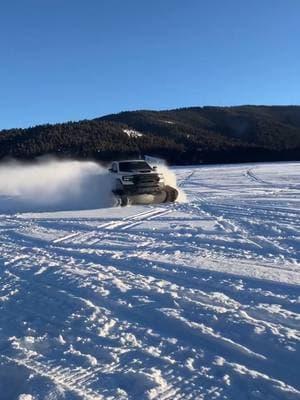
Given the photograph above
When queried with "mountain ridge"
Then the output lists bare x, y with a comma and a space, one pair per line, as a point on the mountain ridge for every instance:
189, 135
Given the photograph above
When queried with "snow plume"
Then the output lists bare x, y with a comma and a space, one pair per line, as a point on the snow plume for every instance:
169, 176
51, 184
171, 180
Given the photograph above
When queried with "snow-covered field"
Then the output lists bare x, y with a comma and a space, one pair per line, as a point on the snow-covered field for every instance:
195, 300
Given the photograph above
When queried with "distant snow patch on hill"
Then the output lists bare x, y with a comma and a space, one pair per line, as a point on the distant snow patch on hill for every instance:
132, 133
168, 122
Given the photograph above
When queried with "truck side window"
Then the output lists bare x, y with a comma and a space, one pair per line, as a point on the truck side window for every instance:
114, 167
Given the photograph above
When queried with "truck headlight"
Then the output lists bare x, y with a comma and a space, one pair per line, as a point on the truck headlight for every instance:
127, 178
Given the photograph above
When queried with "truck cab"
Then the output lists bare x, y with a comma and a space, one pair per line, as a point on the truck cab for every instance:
136, 177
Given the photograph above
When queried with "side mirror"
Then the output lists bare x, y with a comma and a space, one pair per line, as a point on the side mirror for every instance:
154, 168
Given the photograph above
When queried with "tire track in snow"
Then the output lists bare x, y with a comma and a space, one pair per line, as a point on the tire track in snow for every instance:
124, 223
64, 377
235, 347
252, 176
231, 226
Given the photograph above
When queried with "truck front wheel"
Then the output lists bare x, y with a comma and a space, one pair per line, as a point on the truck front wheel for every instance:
124, 201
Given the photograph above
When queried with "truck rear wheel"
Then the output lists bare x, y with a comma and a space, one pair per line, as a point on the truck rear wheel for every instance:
171, 194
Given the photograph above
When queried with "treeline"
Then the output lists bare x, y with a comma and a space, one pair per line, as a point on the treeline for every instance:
182, 136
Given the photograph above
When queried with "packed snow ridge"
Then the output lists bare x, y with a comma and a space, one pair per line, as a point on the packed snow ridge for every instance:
190, 300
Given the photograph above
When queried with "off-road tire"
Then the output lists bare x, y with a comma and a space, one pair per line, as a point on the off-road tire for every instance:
172, 194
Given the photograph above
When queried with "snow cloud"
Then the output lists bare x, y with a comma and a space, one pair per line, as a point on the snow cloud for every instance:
50, 184
58, 185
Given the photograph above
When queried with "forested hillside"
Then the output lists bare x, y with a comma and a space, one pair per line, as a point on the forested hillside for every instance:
182, 136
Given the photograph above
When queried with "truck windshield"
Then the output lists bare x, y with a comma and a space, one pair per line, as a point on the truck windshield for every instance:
134, 166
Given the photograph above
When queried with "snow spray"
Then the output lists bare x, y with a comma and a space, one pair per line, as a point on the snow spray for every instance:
50, 184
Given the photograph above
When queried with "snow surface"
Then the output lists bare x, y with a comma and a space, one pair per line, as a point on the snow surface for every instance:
193, 300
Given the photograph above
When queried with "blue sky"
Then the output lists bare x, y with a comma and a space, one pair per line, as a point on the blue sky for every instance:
67, 60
